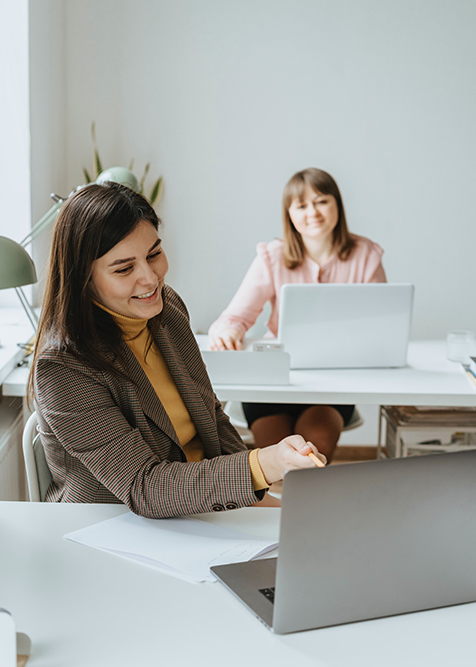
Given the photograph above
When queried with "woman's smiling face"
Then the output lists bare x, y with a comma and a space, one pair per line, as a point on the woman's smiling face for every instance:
315, 215
129, 278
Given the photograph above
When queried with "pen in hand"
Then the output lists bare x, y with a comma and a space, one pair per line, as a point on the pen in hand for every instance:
317, 461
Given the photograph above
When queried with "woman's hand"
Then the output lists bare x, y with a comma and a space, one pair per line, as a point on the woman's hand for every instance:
289, 454
228, 339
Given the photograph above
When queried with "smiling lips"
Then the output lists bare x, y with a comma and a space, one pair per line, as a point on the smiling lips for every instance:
148, 295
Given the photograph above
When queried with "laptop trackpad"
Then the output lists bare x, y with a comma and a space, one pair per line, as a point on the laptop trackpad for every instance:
247, 580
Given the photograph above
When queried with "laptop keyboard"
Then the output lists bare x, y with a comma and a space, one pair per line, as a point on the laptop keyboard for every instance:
268, 593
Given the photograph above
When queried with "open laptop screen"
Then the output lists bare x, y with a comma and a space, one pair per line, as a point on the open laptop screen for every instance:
346, 325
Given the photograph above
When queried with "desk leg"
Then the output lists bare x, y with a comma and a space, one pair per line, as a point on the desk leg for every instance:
379, 439
398, 444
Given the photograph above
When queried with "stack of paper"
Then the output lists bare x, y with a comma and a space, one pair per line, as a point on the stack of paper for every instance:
183, 547
424, 415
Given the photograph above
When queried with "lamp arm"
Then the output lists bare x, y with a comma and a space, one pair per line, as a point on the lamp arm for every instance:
28, 309
115, 174
42, 223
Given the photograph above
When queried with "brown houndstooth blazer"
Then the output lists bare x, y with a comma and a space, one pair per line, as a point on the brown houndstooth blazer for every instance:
110, 441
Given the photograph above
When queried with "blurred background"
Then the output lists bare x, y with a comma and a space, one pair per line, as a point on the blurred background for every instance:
227, 100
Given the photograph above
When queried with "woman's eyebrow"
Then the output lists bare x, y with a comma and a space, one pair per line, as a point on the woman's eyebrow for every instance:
121, 261
158, 242
130, 259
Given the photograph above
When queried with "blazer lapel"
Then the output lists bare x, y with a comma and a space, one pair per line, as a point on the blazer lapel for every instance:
192, 398
148, 399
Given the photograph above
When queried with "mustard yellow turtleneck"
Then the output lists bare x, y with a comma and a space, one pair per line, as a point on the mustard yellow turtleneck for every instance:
136, 335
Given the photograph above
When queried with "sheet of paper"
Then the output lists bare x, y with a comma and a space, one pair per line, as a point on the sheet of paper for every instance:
183, 547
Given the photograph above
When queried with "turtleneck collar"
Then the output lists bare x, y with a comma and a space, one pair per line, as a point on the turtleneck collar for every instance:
131, 327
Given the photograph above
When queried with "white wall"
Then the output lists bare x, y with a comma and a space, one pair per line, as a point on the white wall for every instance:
227, 100
32, 119
14, 120
14, 127
48, 91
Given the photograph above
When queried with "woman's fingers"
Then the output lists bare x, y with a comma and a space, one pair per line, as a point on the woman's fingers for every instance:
304, 448
227, 340
317, 453
298, 454
216, 344
298, 443
235, 343
289, 454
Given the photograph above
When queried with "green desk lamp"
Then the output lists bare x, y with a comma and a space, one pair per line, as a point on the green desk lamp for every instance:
17, 269
16, 266
116, 174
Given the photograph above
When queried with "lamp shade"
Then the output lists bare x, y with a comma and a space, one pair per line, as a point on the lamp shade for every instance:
119, 175
16, 265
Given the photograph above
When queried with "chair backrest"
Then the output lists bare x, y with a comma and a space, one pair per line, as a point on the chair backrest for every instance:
355, 421
234, 411
38, 474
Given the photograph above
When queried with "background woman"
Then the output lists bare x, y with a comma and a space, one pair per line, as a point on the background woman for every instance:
125, 407
317, 248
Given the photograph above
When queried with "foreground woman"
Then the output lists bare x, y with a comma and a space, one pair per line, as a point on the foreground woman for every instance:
125, 407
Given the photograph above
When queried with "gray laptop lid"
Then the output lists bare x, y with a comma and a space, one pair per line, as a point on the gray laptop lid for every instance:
376, 539
367, 540
346, 325
247, 367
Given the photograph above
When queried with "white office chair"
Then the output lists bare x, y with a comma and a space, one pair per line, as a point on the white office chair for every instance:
38, 474
234, 410
355, 420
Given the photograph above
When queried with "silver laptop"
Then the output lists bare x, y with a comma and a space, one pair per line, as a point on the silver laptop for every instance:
250, 367
346, 325
366, 540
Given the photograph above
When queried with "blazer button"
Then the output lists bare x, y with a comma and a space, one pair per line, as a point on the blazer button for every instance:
231, 506
218, 508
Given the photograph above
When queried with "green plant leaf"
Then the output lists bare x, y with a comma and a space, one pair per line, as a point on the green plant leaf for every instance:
86, 175
97, 159
131, 164
144, 176
156, 192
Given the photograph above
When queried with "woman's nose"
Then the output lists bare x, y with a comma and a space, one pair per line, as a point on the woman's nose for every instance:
146, 275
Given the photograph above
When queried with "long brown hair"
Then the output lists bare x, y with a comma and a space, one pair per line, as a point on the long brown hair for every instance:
323, 183
90, 223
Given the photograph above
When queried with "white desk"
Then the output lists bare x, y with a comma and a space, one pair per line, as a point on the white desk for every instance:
428, 379
14, 328
84, 607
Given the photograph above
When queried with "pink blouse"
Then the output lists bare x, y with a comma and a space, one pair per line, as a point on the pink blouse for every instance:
268, 273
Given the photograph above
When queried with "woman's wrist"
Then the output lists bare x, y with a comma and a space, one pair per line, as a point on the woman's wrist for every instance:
257, 475
266, 458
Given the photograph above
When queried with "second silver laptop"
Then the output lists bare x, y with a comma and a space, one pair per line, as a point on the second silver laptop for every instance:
346, 325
